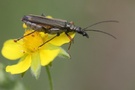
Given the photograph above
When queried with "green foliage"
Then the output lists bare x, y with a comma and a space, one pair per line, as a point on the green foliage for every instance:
8, 82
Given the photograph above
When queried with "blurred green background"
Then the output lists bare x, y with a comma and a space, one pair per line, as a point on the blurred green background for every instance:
97, 63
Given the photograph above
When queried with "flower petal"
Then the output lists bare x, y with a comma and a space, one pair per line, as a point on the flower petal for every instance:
21, 67
62, 39
12, 50
35, 65
47, 56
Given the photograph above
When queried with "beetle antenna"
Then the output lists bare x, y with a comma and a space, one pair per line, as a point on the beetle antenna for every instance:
115, 21
95, 30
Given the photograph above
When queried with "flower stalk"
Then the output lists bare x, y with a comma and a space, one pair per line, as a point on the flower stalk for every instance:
49, 77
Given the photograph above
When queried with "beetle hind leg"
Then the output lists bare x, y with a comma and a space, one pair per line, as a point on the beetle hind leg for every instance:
24, 36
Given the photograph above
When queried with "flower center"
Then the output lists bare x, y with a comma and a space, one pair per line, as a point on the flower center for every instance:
32, 41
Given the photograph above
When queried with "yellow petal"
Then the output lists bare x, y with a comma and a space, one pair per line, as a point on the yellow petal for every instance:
24, 26
47, 56
36, 64
21, 67
48, 16
62, 39
12, 50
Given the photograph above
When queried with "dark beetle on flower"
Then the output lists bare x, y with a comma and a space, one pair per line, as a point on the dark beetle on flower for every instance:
57, 26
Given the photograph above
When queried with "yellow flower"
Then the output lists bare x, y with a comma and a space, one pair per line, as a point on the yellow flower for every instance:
30, 53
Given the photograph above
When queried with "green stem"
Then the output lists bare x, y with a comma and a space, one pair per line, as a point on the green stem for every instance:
49, 77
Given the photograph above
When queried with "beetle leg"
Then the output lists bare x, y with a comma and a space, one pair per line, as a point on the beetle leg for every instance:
71, 40
24, 36
50, 39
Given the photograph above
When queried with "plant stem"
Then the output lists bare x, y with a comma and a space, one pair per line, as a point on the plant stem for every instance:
49, 77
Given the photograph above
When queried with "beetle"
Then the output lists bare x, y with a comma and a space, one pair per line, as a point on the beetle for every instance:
57, 26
